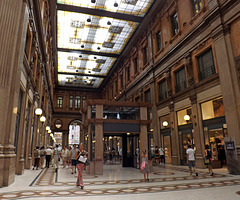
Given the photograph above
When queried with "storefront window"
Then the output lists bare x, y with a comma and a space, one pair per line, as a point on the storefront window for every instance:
212, 109
184, 116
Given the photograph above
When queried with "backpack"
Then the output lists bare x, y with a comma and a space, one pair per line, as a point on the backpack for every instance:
36, 153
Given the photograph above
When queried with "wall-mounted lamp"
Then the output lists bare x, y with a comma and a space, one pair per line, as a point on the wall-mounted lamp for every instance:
42, 119
38, 111
165, 124
47, 128
186, 117
49, 131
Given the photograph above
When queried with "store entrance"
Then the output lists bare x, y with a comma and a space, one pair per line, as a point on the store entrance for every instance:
214, 132
122, 149
217, 146
186, 139
167, 148
130, 151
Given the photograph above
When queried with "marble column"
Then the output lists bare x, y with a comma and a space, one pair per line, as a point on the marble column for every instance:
98, 139
143, 130
197, 134
230, 87
11, 57
174, 135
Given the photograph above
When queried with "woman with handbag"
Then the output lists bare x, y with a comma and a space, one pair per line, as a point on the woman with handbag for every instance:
80, 158
208, 159
144, 165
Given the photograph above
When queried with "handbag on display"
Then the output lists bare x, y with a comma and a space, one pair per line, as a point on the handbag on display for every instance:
82, 159
143, 165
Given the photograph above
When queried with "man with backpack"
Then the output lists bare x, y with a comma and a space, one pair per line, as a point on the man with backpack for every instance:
36, 158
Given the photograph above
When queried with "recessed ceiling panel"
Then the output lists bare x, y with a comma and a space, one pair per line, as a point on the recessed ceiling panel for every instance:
93, 33
84, 63
132, 7
79, 81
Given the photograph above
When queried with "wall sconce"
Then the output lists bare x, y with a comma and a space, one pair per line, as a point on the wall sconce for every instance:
49, 131
186, 117
42, 119
47, 128
165, 124
38, 111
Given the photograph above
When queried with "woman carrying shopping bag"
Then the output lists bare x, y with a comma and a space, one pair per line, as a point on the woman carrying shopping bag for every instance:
144, 165
80, 158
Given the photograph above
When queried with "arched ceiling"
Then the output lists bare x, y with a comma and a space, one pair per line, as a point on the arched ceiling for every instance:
91, 35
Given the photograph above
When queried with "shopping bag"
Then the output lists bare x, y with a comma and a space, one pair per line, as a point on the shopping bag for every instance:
82, 159
143, 165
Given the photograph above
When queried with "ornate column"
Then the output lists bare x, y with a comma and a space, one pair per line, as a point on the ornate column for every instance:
230, 89
12, 15
197, 134
174, 135
98, 139
143, 130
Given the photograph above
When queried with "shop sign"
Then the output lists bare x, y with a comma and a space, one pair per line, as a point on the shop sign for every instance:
230, 145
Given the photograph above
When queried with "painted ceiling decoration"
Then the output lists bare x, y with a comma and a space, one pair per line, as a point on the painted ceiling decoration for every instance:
91, 34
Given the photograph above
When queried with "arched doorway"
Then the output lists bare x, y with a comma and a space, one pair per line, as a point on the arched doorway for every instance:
74, 132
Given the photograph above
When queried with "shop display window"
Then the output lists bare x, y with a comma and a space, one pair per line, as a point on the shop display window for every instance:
184, 116
212, 109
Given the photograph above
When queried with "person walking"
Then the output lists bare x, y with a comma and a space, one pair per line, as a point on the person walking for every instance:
208, 159
73, 153
157, 156
56, 156
80, 165
36, 158
48, 153
42, 156
191, 159
64, 156
161, 152
144, 165
69, 156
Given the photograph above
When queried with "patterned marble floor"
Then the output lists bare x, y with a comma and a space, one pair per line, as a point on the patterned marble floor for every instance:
166, 181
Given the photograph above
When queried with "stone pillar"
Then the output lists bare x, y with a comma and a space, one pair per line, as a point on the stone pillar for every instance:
197, 134
28, 155
156, 136
174, 135
143, 130
98, 139
21, 137
230, 87
11, 57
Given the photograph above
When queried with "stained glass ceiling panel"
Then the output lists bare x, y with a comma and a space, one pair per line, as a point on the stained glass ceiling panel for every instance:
132, 7
93, 33
79, 81
69, 62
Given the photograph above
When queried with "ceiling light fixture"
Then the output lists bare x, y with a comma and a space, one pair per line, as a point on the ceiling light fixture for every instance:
80, 56
109, 23
98, 48
93, 1
89, 20
115, 4
82, 46
95, 57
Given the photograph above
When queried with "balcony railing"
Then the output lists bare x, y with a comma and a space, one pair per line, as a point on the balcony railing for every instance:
181, 86
209, 71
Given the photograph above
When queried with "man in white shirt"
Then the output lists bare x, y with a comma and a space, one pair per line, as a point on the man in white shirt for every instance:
191, 159
161, 152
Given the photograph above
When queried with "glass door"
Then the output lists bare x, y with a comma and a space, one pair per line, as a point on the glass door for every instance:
185, 140
215, 139
167, 148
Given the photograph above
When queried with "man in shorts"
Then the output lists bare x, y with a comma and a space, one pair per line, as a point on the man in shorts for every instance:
191, 159
73, 153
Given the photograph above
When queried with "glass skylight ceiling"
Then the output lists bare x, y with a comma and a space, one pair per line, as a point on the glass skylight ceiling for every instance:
88, 44
132, 7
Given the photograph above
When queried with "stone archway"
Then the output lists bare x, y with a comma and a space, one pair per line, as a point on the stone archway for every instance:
74, 132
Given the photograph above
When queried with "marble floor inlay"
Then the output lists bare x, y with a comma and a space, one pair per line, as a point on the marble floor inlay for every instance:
117, 181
